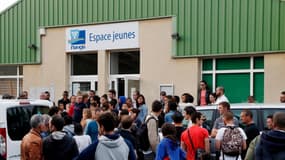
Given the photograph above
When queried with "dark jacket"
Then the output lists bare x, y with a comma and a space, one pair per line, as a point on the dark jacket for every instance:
208, 92
129, 136
271, 146
63, 148
78, 108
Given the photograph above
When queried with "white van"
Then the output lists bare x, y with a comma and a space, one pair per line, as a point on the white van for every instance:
15, 123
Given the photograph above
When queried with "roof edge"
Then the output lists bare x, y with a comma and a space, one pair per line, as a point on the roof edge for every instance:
10, 6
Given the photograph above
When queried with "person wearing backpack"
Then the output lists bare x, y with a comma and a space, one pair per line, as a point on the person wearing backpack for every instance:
169, 148
230, 140
147, 134
195, 140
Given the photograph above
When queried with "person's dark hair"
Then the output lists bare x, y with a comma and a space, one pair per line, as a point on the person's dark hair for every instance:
105, 106
195, 116
92, 91
177, 117
176, 99
47, 92
105, 96
188, 98
279, 120
283, 92
213, 94
203, 81
67, 120
156, 106
53, 110
97, 99
170, 98
63, 114
270, 116
113, 102
65, 93
228, 116
190, 110
169, 131
124, 112
112, 91
172, 106
143, 102
225, 105
108, 121
162, 93
58, 122
94, 104
127, 122
247, 113
206, 84
78, 130
85, 96
135, 110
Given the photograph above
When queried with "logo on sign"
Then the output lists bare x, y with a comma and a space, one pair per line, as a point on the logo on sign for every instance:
77, 39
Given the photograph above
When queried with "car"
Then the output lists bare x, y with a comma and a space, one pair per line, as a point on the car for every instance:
15, 123
260, 113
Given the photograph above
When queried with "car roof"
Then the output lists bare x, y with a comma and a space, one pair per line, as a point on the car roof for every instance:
245, 106
13, 102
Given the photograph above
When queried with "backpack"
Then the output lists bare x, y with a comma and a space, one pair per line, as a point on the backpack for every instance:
142, 135
232, 141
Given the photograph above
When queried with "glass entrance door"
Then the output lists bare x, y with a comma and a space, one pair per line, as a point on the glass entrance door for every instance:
83, 84
124, 85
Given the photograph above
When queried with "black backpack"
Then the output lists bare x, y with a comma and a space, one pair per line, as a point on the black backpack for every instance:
142, 135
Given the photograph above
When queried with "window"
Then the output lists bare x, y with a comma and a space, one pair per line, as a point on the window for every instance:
18, 119
268, 111
125, 62
84, 64
209, 117
240, 77
11, 80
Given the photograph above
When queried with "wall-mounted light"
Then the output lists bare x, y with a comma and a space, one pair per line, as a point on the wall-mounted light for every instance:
175, 36
32, 46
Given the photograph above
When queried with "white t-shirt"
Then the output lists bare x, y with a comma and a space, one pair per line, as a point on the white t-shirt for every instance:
82, 142
222, 98
219, 137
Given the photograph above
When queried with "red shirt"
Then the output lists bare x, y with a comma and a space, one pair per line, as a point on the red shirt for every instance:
203, 101
198, 136
71, 110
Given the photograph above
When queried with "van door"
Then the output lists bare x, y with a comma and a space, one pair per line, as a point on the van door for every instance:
18, 125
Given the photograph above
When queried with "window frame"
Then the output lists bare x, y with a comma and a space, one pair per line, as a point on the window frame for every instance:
18, 77
214, 72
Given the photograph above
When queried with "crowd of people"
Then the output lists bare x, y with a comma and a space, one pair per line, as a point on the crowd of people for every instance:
86, 126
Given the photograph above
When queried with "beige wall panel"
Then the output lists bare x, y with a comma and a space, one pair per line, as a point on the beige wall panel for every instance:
157, 66
273, 81
53, 72
103, 72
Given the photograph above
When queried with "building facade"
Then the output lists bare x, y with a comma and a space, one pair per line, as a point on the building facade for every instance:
146, 45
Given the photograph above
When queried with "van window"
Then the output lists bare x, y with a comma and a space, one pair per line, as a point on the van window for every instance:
18, 119
237, 115
208, 122
266, 112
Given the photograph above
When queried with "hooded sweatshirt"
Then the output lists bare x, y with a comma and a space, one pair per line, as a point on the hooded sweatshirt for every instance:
59, 146
169, 148
113, 149
271, 146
